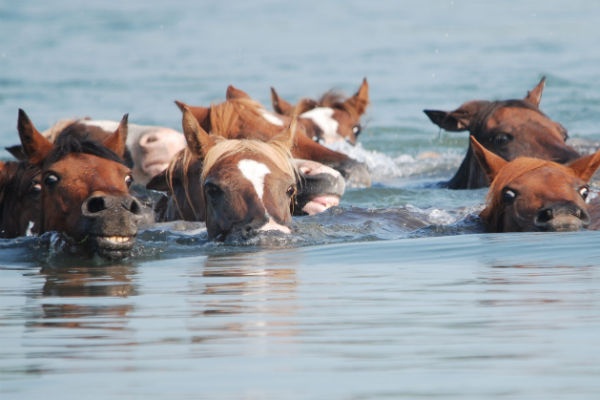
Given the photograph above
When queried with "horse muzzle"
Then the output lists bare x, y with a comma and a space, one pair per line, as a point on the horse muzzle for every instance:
111, 224
562, 217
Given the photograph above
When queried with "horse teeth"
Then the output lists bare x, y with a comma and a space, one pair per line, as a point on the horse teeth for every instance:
117, 239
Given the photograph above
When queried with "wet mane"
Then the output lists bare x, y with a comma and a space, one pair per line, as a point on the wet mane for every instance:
66, 144
336, 100
280, 155
225, 117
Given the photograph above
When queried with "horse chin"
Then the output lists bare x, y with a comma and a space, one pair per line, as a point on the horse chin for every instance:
111, 247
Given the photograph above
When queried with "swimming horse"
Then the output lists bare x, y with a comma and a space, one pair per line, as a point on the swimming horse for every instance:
20, 194
530, 194
239, 187
509, 128
84, 189
332, 117
249, 119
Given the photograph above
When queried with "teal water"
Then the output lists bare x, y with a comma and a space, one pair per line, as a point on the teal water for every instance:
396, 294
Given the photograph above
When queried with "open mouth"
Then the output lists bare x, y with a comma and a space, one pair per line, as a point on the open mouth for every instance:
319, 204
112, 247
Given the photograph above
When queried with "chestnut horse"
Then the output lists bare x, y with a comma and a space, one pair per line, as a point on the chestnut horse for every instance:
84, 188
249, 119
509, 128
330, 119
240, 187
20, 208
530, 194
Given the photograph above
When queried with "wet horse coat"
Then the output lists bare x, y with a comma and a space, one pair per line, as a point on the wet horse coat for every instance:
249, 119
238, 186
331, 118
20, 192
84, 189
509, 128
530, 194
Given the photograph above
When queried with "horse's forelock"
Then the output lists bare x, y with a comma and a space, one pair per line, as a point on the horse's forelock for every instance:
66, 144
277, 153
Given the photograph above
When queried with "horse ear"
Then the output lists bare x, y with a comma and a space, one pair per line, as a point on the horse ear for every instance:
202, 114
235, 93
280, 106
159, 182
360, 100
534, 96
198, 140
286, 138
489, 161
585, 167
117, 141
35, 146
17, 152
459, 119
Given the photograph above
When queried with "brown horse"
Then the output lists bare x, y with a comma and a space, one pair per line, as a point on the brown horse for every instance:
330, 119
20, 208
240, 187
509, 128
249, 119
84, 188
530, 194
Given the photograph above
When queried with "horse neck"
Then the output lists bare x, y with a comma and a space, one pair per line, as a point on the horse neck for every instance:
469, 175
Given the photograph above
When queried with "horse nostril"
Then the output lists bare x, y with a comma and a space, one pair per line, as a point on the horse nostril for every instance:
544, 215
135, 207
95, 205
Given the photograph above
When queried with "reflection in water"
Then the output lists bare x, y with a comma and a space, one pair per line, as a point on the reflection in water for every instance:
67, 288
251, 293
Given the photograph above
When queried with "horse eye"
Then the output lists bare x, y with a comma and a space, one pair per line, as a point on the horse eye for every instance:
584, 192
128, 180
501, 139
356, 129
509, 196
291, 190
51, 180
212, 190
35, 187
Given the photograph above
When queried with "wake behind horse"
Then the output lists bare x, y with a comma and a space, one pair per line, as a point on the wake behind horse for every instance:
509, 128
239, 187
530, 194
331, 118
84, 189
247, 118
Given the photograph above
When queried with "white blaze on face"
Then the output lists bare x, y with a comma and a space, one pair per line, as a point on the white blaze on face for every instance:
255, 172
272, 118
323, 118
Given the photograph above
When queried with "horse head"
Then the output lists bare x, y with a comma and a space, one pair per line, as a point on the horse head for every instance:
246, 186
20, 189
241, 117
509, 128
331, 118
530, 194
84, 188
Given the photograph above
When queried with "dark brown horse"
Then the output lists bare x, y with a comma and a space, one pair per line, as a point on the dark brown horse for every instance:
509, 128
332, 117
20, 192
249, 119
84, 188
240, 187
530, 194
